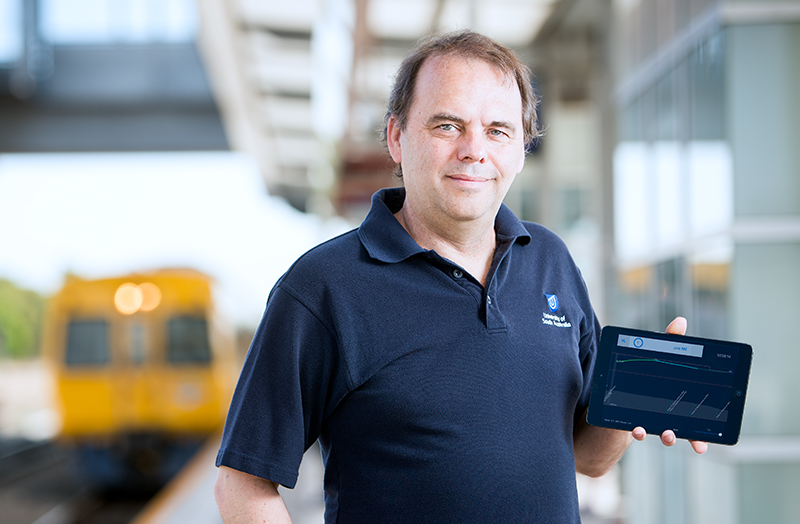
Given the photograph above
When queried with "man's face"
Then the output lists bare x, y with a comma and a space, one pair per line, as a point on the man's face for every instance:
463, 143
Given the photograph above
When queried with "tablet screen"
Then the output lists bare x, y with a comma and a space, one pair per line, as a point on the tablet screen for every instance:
694, 386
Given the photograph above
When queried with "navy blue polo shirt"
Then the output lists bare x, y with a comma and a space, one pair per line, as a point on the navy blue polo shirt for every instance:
434, 399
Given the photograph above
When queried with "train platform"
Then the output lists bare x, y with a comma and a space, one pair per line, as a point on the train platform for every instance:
190, 496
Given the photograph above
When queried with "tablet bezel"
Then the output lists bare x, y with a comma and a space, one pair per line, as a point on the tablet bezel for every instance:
608, 342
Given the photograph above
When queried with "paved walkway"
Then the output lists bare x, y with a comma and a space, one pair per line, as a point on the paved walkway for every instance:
190, 496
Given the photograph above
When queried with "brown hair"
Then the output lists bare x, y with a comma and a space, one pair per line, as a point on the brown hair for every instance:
463, 44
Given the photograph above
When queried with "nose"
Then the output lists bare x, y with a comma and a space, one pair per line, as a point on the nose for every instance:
472, 147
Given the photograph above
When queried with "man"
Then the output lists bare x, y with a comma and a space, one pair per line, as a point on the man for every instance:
414, 348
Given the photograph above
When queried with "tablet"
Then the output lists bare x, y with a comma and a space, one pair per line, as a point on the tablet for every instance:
694, 386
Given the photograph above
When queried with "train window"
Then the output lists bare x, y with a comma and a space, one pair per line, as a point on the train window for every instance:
188, 340
138, 340
87, 343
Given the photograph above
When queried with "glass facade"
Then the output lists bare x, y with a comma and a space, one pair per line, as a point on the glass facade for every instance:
69, 22
673, 189
11, 34
707, 225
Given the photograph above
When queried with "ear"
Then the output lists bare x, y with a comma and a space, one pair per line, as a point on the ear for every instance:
393, 133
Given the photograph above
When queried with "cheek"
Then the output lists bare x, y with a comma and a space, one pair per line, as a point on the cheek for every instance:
425, 153
512, 162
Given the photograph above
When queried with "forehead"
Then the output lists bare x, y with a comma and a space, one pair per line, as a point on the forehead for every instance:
453, 78
443, 62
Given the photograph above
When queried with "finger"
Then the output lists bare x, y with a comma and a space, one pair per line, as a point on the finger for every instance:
698, 446
677, 326
639, 433
668, 437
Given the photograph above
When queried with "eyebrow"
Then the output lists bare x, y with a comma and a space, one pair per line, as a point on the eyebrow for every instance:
447, 117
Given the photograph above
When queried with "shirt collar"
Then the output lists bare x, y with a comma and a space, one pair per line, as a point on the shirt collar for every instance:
386, 240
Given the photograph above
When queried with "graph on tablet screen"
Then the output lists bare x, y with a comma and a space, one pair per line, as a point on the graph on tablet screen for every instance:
685, 380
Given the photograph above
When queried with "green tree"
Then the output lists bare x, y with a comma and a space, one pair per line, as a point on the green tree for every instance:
21, 315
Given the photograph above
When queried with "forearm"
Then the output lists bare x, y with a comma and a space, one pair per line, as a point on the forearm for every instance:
245, 499
598, 449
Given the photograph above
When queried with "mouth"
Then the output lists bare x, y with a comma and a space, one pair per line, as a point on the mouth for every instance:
471, 181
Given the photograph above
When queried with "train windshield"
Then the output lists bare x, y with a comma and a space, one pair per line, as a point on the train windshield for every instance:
87, 343
188, 340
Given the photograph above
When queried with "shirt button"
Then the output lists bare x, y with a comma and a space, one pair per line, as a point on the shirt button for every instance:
458, 273
489, 300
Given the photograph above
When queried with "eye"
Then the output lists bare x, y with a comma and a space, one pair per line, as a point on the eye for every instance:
447, 127
497, 132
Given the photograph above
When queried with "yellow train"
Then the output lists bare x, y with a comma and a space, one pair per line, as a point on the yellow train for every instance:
144, 373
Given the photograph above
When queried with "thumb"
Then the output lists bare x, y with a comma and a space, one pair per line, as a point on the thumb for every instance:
677, 326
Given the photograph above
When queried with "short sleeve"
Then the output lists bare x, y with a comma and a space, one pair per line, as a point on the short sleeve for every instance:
288, 385
589, 342
588, 352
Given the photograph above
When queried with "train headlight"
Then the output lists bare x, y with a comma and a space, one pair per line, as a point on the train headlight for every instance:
128, 298
131, 298
151, 296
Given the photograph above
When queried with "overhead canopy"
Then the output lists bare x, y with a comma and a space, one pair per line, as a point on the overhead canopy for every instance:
302, 86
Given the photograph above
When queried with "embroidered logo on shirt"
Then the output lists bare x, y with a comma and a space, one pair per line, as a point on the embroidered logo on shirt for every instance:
552, 301
549, 319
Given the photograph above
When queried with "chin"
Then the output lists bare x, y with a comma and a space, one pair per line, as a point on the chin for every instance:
468, 213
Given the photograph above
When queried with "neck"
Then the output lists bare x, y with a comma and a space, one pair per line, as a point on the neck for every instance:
467, 244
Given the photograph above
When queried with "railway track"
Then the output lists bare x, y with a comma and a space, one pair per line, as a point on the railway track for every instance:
86, 508
20, 458
38, 485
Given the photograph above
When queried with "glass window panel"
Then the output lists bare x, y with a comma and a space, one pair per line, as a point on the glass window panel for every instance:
636, 303
105, 21
667, 114
630, 127
670, 280
633, 233
87, 343
649, 114
669, 213
571, 207
710, 283
10, 31
529, 204
764, 310
706, 90
188, 340
710, 195
769, 492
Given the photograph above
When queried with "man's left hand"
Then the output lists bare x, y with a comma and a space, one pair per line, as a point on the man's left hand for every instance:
676, 327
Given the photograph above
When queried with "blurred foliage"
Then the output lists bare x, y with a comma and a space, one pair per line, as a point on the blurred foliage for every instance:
21, 316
